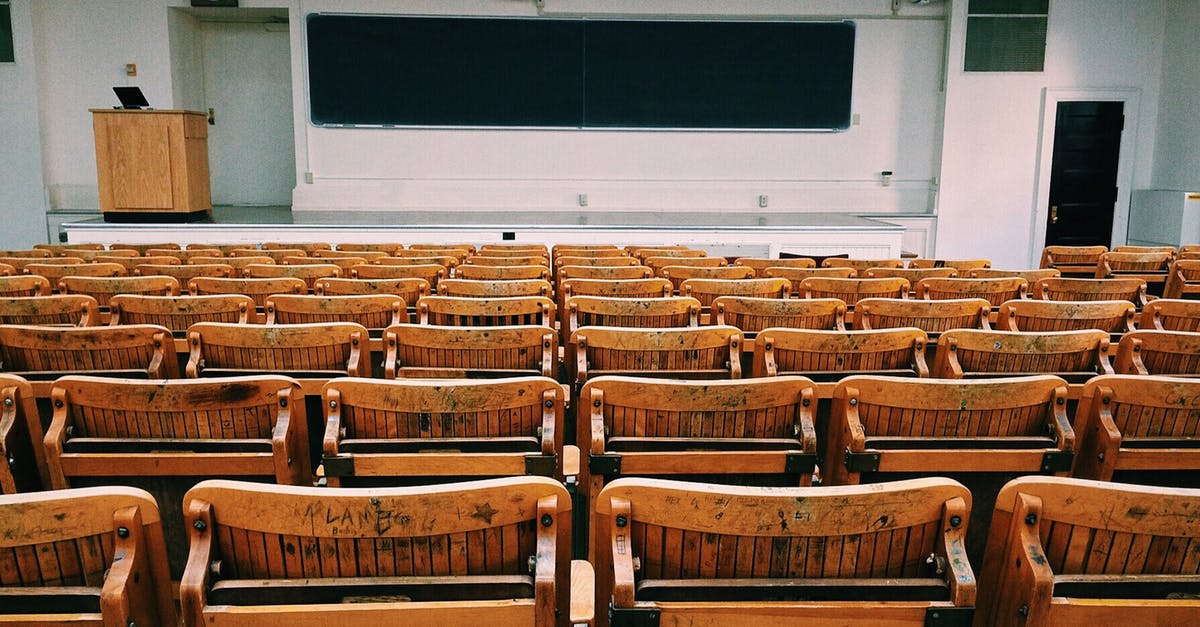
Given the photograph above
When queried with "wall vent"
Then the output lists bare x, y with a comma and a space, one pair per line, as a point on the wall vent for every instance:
1006, 35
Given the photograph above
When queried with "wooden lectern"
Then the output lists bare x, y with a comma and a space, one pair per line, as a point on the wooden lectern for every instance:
152, 162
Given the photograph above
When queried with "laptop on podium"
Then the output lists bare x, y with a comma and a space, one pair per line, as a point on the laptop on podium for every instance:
131, 97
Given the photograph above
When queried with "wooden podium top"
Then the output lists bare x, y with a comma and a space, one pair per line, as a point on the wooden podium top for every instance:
183, 111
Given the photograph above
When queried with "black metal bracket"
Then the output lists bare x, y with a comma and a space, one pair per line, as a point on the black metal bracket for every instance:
340, 466
540, 465
862, 462
606, 464
1057, 461
800, 463
633, 616
949, 616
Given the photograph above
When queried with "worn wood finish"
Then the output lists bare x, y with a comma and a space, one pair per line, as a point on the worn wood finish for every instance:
453, 311
796, 275
277, 255
1151, 266
861, 265
534, 255
238, 263
383, 247
436, 427
760, 265
484, 531
931, 316
104, 288
435, 351
132, 262
708, 290
373, 312
502, 273
912, 274
411, 290
1132, 290
24, 286
177, 313
1159, 353
995, 291
1032, 276
54, 273
1113, 316
432, 274
24, 469
365, 255
659, 263
256, 288
751, 314
1049, 532
309, 273
494, 289
1072, 260
512, 260
458, 250
91, 256
644, 313
704, 538
32, 253
104, 543
805, 351
940, 427
597, 250
7, 270
224, 248
143, 249
709, 352
1162, 314
680, 252
73, 310
63, 250
1070, 354
49, 352
185, 256
850, 291
344, 264
962, 265
320, 349
616, 260
185, 273
448, 260
1183, 279
1147, 249
603, 272
526, 248
1134, 423
678, 274
251, 426
307, 247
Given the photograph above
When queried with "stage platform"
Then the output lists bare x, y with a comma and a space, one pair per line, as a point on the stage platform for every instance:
720, 233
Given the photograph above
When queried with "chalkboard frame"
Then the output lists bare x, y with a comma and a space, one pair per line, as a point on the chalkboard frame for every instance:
835, 117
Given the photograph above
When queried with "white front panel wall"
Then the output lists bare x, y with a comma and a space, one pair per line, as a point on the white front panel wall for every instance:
22, 203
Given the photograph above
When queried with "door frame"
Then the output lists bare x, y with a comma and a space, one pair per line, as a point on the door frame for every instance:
1131, 97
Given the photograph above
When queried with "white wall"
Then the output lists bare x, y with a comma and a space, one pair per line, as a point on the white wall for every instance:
187, 61
1177, 159
82, 48
898, 70
22, 203
987, 203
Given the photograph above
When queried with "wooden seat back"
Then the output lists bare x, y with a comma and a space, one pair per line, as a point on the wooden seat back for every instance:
310, 273
495, 551
185, 273
935, 426
54, 273
590, 250
861, 265
502, 273
850, 291
31, 253
20, 439
1159, 353
1135, 424
72, 310
307, 247
1032, 276
104, 288
142, 350
1060, 288
639, 313
420, 350
1073, 355
144, 249
687, 552
344, 264
411, 290
458, 250
324, 349
365, 255
238, 263
448, 260
455, 311
1113, 316
61, 250
708, 352
387, 248
603, 272
494, 289
433, 274
708, 290
826, 354
1072, 260
1147, 249
1183, 280
760, 265
132, 262
931, 316
92, 556
678, 274
223, 248
962, 265
507, 260
184, 256
1075, 552
615, 288
616, 260
658, 262
912, 274
1164, 314
256, 288
436, 428
995, 291
1151, 266
7, 270
797, 275
277, 255
753, 314
373, 312
515, 249
105, 255
680, 252
177, 313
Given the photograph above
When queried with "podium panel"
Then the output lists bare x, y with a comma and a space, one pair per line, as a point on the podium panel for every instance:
152, 161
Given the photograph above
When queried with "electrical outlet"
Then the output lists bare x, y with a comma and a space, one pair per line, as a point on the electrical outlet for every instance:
762, 200
130, 69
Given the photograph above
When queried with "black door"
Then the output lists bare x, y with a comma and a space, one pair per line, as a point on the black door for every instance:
1083, 173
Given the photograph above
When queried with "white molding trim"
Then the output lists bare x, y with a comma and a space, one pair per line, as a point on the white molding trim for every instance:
1131, 97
